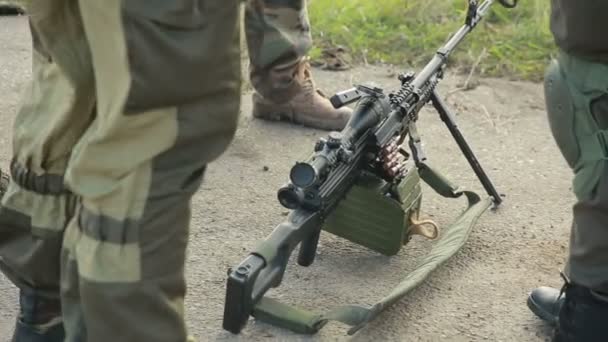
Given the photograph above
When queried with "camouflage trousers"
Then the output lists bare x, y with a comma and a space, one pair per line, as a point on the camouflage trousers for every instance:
278, 38
129, 102
576, 92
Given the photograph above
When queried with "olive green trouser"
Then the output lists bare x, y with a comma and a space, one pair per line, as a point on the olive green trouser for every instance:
278, 38
576, 92
129, 101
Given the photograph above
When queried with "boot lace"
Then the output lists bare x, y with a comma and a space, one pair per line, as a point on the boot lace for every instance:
308, 85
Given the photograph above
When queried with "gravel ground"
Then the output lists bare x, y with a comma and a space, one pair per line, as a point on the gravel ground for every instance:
477, 296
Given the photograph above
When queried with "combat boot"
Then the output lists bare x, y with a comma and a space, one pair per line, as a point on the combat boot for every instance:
309, 107
582, 316
546, 302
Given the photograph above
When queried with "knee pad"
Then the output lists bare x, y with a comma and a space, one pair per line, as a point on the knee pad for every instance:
561, 112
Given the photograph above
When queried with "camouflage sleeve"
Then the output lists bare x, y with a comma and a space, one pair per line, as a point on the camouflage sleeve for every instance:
278, 31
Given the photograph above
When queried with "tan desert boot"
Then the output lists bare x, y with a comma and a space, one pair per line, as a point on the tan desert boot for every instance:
310, 107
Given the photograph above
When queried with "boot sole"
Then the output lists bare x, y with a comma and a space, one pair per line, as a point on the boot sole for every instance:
542, 314
263, 112
295, 119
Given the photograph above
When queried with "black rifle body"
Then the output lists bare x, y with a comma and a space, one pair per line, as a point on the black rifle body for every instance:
318, 185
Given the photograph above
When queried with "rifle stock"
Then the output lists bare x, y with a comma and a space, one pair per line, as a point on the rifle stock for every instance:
263, 269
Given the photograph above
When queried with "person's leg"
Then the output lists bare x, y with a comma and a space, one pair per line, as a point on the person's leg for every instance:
278, 40
36, 207
585, 307
168, 89
576, 93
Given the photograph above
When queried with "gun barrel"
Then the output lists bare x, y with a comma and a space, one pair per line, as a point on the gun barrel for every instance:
444, 52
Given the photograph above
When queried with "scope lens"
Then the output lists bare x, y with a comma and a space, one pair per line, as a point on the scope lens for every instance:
289, 198
303, 175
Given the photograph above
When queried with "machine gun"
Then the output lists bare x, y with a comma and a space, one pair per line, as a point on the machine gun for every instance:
364, 163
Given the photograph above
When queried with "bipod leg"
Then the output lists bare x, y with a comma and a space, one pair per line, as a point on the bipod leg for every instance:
448, 118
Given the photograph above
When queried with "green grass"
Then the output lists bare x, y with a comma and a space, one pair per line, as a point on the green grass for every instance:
508, 43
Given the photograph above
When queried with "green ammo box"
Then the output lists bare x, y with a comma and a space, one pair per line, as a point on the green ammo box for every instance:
370, 217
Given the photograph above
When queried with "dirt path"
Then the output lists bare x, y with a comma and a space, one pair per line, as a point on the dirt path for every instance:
478, 296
